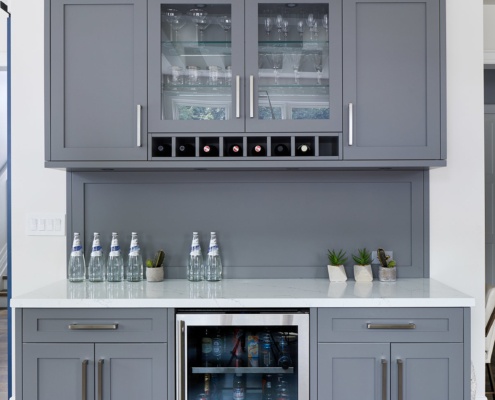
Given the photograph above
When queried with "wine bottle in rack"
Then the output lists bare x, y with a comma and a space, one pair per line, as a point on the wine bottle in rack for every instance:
258, 150
209, 150
235, 150
185, 150
303, 150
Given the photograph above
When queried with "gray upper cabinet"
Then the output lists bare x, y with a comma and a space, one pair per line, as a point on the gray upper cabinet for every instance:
96, 105
393, 80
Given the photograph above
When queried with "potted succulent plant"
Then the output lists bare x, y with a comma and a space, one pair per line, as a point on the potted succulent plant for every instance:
154, 268
388, 270
362, 268
336, 261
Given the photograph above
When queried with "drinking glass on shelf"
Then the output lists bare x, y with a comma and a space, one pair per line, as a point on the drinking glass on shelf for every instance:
279, 21
268, 26
226, 23
276, 61
201, 19
324, 22
295, 60
300, 28
176, 21
310, 21
317, 59
214, 75
285, 28
175, 78
228, 76
192, 75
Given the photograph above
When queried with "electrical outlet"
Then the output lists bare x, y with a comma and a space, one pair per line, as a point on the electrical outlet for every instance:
45, 224
374, 259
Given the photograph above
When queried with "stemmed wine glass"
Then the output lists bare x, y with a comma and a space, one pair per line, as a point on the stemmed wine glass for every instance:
317, 59
176, 21
295, 60
300, 28
276, 61
201, 19
310, 21
285, 28
226, 23
279, 22
268, 26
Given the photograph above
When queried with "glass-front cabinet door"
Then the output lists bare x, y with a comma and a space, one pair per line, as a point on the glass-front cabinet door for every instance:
293, 66
196, 66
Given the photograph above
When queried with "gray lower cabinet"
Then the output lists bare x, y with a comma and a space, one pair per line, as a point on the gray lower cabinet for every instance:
83, 370
381, 371
96, 80
392, 79
392, 354
99, 354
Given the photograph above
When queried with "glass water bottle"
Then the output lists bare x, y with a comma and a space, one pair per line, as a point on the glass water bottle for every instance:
77, 265
115, 265
213, 262
135, 263
96, 268
195, 267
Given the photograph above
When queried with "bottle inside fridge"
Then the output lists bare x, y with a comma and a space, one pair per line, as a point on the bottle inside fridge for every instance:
243, 356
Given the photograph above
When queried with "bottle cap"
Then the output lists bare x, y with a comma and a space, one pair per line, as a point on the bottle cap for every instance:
114, 233
213, 233
134, 233
195, 233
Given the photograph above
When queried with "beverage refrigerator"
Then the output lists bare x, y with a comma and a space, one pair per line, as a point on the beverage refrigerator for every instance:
242, 355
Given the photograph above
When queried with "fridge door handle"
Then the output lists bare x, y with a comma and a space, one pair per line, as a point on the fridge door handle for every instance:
181, 361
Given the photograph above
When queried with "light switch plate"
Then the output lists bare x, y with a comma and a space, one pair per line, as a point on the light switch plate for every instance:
374, 259
52, 224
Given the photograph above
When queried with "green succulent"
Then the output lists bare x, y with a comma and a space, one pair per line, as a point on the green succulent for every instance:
335, 258
149, 263
363, 257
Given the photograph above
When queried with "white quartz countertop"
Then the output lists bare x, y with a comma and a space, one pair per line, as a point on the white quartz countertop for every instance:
238, 293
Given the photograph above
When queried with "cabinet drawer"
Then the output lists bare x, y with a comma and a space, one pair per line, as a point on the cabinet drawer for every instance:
95, 325
386, 324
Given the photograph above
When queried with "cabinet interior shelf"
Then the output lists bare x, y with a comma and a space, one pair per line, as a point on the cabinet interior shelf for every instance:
242, 370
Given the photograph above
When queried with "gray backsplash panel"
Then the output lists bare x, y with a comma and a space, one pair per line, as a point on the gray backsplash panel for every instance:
270, 224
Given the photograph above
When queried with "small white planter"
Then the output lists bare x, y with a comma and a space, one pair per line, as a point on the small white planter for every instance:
387, 274
362, 273
154, 274
336, 273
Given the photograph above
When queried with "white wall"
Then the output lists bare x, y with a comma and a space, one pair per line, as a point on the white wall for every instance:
457, 191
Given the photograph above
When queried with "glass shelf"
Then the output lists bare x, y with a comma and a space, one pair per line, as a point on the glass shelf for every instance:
291, 43
304, 90
242, 370
200, 89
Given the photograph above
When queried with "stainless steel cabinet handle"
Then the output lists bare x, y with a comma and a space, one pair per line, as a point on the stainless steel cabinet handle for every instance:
84, 380
93, 327
400, 370
138, 130
238, 96
384, 379
391, 326
251, 96
181, 395
351, 125
100, 379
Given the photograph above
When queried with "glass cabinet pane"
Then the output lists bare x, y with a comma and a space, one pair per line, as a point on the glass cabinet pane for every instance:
196, 56
293, 61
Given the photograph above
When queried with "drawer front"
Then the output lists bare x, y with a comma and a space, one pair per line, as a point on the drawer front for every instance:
95, 325
390, 325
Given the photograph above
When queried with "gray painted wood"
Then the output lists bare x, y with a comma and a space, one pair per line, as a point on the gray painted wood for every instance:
432, 371
350, 325
133, 371
269, 224
313, 353
97, 79
352, 370
54, 371
393, 77
52, 325
490, 194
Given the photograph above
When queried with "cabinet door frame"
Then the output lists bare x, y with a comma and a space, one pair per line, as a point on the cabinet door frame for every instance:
157, 352
155, 122
353, 352
408, 352
434, 111
56, 148
34, 352
334, 124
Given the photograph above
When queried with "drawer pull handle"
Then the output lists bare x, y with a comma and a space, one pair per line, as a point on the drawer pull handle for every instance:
100, 379
85, 380
400, 383
391, 326
384, 379
102, 327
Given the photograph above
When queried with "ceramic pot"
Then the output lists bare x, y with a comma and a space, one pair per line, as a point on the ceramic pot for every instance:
154, 274
362, 273
336, 273
387, 274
